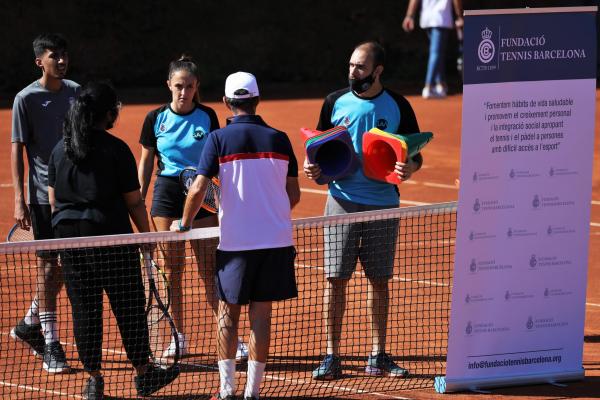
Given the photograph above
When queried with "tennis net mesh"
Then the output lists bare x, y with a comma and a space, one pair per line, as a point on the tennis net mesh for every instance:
416, 328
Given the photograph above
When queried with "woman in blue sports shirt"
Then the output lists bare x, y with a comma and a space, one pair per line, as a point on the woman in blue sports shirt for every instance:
175, 134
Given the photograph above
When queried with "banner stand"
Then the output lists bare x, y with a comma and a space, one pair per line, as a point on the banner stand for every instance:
443, 385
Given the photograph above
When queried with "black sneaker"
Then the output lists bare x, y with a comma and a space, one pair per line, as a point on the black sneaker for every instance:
154, 379
330, 368
94, 389
30, 335
55, 361
250, 398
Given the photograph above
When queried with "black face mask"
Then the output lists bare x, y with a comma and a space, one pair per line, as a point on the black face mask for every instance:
361, 85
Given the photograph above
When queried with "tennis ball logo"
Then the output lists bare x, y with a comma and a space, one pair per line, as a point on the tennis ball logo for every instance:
199, 134
382, 124
486, 49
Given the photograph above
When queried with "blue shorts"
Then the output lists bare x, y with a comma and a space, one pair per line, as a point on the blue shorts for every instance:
256, 275
168, 199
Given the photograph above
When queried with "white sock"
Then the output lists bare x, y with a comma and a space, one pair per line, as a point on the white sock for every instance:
32, 317
256, 370
49, 325
227, 375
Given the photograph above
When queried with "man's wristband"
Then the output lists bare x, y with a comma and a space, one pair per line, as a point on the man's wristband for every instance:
183, 228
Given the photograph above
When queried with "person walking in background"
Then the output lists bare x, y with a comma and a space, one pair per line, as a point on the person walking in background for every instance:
255, 259
437, 20
175, 135
93, 190
364, 105
37, 118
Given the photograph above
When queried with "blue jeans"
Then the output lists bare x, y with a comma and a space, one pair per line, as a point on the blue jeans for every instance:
436, 66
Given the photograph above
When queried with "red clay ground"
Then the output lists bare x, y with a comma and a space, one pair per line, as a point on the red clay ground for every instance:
434, 183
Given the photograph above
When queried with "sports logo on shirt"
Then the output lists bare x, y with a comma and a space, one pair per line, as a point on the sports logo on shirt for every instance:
346, 122
382, 124
162, 128
199, 134
46, 103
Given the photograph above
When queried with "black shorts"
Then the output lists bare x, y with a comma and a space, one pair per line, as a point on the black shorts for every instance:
168, 199
41, 226
256, 275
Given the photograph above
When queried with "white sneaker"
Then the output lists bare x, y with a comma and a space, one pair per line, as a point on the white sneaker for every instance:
441, 90
170, 351
427, 93
242, 350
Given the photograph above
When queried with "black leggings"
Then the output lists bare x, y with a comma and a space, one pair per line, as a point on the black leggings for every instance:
90, 271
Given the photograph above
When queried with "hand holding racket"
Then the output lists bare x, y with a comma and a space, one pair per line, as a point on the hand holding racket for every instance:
161, 328
213, 190
18, 234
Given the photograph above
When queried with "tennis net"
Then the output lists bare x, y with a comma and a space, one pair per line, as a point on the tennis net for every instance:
416, 328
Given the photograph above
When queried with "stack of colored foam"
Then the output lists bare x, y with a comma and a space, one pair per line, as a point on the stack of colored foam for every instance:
333, 151
381, 151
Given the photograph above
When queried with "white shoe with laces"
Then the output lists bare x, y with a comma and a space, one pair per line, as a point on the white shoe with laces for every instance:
242, 350
170, 351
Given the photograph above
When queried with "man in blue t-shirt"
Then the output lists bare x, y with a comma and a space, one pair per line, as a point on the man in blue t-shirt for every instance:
365, 104
255, 258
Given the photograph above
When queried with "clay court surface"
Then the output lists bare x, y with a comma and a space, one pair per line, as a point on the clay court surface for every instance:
434, 183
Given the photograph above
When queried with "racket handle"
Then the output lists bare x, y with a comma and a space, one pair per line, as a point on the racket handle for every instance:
148, 264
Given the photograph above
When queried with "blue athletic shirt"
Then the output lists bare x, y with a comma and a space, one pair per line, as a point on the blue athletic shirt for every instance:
387, 111
178, 139
253, 162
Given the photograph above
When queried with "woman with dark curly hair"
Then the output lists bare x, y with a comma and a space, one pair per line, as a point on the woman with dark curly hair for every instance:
93, 190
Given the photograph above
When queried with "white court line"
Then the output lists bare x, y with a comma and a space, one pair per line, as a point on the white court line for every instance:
212, 367
40, 390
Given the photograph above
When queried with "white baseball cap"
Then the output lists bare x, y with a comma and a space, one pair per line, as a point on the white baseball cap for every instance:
241, 80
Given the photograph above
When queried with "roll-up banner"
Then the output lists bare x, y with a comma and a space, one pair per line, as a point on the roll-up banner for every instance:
518, 299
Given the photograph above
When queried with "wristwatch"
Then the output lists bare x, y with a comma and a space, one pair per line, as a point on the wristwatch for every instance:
183, 228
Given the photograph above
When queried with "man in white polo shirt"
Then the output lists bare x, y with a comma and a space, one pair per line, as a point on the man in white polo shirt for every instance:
255, 258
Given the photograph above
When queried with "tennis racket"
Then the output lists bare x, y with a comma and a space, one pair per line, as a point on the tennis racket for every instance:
213, 191
161, 328
18, 234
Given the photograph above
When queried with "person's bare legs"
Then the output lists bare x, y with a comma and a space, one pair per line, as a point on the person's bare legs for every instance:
204, 252
260, 326
174, 265
260, 339
334, 308
377, 303
227, 329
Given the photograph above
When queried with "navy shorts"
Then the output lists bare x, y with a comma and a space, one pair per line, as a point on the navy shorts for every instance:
256, 275
168, 199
